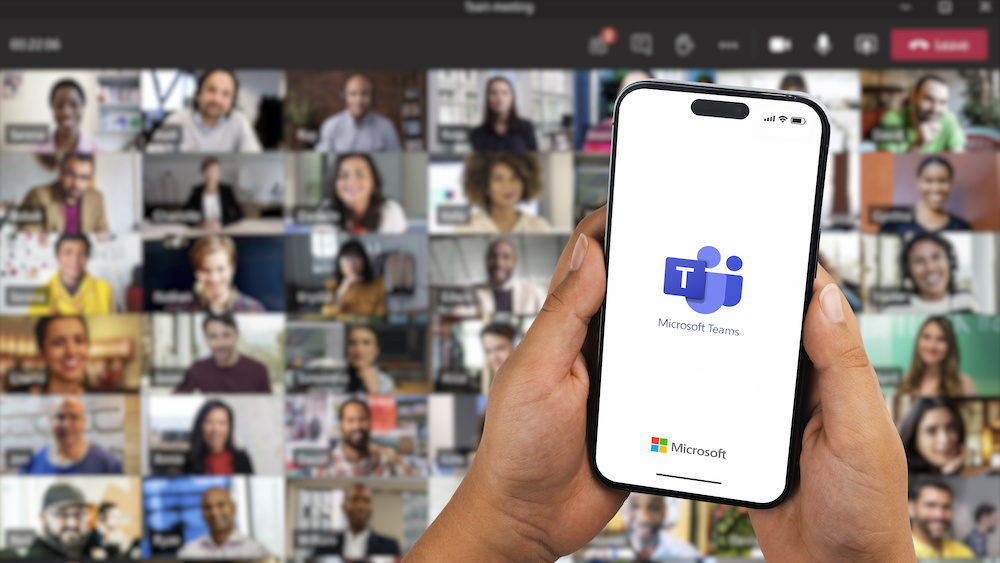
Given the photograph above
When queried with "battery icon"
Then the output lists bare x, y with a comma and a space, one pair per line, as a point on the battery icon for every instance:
798, 120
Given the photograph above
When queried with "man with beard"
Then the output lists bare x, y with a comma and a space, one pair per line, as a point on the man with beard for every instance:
357, 128
65, 526
356, 455
924, 124
223, 540
986, 524
70, 204
71, 453
930, 519
645, 518
503, 293
213, 125
226, 371
359, 541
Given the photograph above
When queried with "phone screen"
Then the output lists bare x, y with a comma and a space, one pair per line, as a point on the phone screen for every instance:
710, 240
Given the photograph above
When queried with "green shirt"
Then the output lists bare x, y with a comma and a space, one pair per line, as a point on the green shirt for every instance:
951, 137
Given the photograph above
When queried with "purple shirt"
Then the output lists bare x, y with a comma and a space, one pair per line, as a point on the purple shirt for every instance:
71, 215
245, 376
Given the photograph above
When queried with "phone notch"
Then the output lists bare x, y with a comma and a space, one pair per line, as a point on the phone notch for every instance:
716, 108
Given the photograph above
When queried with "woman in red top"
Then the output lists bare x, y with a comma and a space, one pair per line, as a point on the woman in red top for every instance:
212, 451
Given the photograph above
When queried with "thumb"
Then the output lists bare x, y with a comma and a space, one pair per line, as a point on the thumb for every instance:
846, 385
558, 332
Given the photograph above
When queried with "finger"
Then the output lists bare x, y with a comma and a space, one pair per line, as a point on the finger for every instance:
592, 226
845, 382
556, 336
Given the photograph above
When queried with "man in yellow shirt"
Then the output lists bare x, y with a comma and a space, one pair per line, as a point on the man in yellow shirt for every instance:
71, 291
930, 521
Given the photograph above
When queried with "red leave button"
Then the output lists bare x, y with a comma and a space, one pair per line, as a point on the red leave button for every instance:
938, 44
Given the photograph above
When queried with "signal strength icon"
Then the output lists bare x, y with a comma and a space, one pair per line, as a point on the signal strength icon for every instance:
769, 118
782, 118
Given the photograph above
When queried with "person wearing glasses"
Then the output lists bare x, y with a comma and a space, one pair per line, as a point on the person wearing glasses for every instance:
70, 204
66, 530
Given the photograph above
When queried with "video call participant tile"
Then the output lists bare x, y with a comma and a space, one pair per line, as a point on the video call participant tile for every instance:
71, 354
216, 273
336, 357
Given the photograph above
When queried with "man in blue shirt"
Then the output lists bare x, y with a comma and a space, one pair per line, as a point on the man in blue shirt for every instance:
986, 524
71, 454
357, 128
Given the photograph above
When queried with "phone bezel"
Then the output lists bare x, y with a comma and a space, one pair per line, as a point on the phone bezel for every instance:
794, 440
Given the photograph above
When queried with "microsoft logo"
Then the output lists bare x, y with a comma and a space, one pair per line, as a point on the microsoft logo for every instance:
659, 445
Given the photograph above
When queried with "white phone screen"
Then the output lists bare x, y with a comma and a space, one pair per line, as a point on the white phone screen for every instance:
708, 257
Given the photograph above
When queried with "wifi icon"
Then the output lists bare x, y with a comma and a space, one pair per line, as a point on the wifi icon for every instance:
782, 118
769, 118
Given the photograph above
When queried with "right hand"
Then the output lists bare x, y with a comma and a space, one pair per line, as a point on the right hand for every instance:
850, 502
927, 132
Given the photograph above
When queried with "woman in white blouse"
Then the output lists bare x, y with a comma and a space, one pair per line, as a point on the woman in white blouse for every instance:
497, 182
357, 197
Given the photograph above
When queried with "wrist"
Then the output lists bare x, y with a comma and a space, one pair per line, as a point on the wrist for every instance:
490, 532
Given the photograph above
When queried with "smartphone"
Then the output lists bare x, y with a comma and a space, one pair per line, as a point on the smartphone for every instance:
712, 233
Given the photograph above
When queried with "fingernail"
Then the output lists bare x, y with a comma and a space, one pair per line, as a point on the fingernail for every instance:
579, 251
829, 301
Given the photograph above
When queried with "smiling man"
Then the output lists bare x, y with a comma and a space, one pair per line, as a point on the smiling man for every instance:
213, 124
71, 453
226, 370
71, 290
504, 293
924, 123
66, 530
930, 521
223, 540
357, 128
356, 455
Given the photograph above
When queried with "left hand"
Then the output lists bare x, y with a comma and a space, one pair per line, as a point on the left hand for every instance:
530, 493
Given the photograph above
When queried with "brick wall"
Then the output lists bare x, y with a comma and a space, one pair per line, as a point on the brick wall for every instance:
323, 91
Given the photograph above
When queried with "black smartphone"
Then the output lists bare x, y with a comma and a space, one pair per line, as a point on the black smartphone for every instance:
712, 232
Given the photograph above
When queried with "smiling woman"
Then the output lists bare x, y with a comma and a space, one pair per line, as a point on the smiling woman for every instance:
212, 451
498, 182
929, 262
935, 179
64, 344
67, 100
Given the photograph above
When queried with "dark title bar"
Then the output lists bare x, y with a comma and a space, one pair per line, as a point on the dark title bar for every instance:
397, 43
496, 8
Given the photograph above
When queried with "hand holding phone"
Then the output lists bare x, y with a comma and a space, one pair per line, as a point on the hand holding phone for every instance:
712, 234
530, 493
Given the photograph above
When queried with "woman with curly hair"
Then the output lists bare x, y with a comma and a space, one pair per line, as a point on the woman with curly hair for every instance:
497, 182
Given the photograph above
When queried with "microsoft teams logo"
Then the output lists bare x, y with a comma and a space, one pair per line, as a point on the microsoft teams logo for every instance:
706, 292
659, 445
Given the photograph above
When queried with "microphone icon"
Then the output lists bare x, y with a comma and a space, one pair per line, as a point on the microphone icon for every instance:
823, 44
